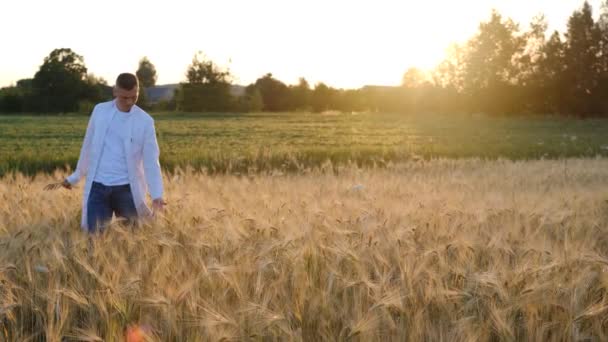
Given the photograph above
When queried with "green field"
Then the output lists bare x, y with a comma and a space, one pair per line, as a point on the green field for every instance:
296, 141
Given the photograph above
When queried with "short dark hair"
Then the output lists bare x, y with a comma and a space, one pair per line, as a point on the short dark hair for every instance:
127, 81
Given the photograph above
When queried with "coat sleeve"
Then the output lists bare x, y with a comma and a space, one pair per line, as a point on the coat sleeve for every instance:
83, 161
151, 154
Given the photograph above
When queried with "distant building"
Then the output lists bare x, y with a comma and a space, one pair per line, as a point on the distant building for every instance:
166, 92
160, 93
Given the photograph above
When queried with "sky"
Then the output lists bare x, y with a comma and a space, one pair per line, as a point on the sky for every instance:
343, 43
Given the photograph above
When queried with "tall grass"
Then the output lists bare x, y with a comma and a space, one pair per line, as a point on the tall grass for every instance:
429, 250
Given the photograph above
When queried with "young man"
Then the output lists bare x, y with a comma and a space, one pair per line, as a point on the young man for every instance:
119, 159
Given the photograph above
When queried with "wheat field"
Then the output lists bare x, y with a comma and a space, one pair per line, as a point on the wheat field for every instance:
292, 141
440, 250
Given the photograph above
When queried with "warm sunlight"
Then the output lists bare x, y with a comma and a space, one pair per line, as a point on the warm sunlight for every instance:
319, 170
342, 43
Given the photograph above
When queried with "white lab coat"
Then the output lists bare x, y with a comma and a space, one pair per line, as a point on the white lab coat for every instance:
141, 150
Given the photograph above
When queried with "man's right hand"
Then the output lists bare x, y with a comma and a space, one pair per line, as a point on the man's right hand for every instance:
66, 184
54, 186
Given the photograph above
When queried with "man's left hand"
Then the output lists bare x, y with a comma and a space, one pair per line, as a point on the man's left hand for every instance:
158, 204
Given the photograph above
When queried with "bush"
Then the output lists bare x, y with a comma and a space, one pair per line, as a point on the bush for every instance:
85, 107
11, 100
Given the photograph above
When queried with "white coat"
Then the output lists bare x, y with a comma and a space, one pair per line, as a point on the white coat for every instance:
141, 150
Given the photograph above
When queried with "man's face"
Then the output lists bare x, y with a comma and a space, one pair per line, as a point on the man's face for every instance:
125, 99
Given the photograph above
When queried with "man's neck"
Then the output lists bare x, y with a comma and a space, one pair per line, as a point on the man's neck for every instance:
120, 110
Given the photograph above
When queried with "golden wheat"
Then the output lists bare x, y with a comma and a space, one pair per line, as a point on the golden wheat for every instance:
443, 250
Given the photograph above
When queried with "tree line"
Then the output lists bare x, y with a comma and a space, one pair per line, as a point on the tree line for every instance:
501, 70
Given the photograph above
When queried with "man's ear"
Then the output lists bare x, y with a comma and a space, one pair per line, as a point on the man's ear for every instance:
114, 91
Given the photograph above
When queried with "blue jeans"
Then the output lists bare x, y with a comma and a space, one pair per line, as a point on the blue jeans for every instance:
107, 200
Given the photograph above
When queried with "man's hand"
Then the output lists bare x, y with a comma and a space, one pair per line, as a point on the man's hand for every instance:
57, 185
158, 204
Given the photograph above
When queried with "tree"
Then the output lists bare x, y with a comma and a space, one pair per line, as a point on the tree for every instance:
449, 74
527, 61
251, 101
582, 65
12, 100
274, 93
60, 82
550, 77
323, 98
300, 95
489, 53
531, 78
413, 78
205, 71
207, 89
146, 73
602, 27
489, 74
352, 100
96, 89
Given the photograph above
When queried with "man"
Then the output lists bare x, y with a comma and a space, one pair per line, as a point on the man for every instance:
119, 159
